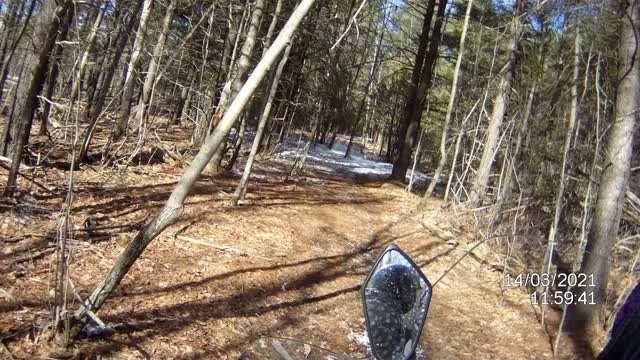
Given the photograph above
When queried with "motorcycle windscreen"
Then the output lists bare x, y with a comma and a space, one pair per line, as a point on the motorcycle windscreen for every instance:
396, 297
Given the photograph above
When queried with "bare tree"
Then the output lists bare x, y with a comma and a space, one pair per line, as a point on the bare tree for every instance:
48, 25
415, 102
500, 104
232, 87
54, 70
9, 133
91, 40
241, 190
452, 101
152, 69
573, 119
129, 82
614, 177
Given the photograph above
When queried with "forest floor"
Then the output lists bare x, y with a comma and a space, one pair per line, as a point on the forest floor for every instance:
287, 262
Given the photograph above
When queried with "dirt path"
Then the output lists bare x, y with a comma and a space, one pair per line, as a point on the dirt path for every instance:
288, 262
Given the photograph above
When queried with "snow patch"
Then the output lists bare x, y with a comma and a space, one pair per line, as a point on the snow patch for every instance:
321, 157
360, 339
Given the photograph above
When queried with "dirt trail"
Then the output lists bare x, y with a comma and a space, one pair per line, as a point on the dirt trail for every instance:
288, 262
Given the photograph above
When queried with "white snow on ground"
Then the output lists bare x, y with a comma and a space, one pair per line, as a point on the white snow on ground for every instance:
333, 161
361, 339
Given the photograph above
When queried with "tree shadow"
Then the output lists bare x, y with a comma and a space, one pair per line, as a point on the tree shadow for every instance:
165, 320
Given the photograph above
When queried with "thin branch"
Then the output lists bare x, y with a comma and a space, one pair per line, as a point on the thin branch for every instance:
353, 19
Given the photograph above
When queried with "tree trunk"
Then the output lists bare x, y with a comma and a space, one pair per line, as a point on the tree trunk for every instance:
176, 116
613, 179
129, 81
452, 102
45, 39
10, 130
91, 40
96, 107
244, 61
573, 119
241, 190
54, 70
4, 68
152, 70
238, 145
415, 102
412, 97
500, 104
173, 209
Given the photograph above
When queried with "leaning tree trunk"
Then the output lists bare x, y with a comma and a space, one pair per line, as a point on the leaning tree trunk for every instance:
233, 86
45, 39
173, 209
129, 81
500, 104
452, 102
613, 179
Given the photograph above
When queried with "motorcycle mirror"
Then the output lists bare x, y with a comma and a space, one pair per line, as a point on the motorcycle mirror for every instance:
395, 297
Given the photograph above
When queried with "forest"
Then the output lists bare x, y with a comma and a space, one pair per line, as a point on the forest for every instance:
194, 179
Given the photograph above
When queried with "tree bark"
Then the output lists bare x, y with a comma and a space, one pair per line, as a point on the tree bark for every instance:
500, 104
232, 87
91, 40
417, 94
450, 106
54, 70
96, 107
152, 70
47, 31
241, 190
129, 81
614, 177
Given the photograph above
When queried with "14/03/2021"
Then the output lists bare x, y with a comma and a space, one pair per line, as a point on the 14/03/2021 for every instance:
561, 280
